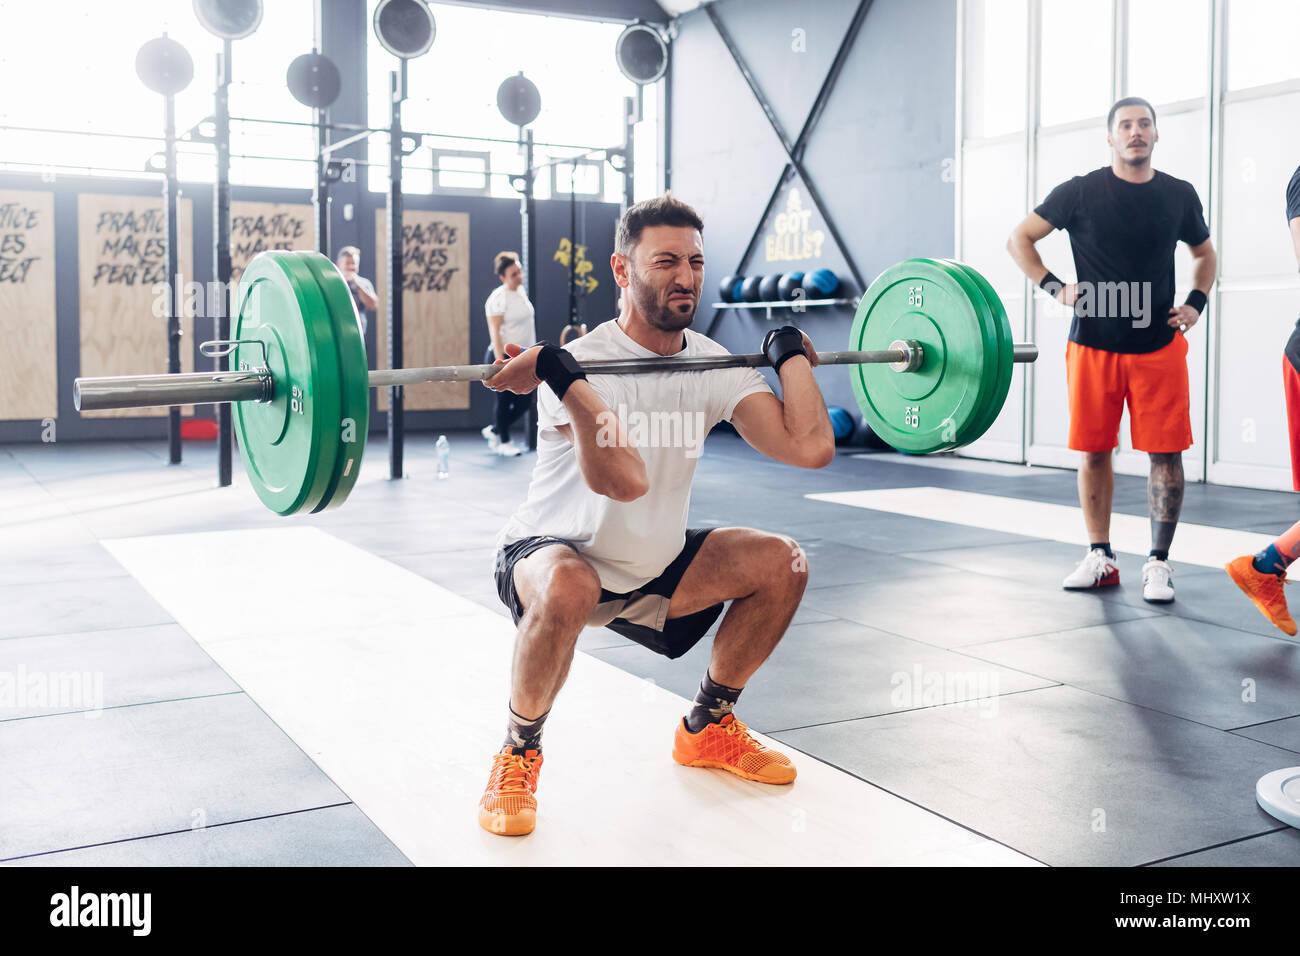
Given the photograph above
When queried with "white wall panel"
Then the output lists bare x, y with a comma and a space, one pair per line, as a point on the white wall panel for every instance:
1251, 426
1261, 149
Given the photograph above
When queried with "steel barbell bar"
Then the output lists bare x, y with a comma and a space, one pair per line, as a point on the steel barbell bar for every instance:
301, 394
257, 385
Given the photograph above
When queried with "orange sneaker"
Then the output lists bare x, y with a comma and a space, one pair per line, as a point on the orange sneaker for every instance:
1265, 590
728, 746
508, 806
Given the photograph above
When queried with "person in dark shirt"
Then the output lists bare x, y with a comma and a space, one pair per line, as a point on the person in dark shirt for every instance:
1262, 575
1126, 338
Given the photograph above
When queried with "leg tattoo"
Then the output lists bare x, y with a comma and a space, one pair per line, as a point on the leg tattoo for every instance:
1165, 499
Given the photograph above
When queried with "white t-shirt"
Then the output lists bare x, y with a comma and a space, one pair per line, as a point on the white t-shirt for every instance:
667, 415
518, 311
368, 289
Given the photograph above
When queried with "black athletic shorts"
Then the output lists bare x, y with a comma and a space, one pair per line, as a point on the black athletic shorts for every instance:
640, 615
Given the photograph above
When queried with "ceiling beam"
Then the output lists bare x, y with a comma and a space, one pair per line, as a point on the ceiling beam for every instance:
618, 11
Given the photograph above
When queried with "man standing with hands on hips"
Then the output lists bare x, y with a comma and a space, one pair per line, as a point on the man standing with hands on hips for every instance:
1127, 336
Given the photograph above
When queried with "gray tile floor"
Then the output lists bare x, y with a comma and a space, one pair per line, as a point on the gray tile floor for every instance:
939, 662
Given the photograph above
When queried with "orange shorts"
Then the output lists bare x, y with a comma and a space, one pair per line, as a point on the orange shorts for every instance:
1291, 388
1153, 383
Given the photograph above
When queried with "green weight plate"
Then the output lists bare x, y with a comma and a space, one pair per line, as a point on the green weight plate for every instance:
990, 401
353, 373
1006, 353
930, 409
989, 326
289, 444
993, 403
298, 264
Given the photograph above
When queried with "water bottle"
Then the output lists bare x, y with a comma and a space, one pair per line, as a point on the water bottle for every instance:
444, 457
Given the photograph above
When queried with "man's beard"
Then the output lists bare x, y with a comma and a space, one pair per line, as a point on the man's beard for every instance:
1139, 160
658, 315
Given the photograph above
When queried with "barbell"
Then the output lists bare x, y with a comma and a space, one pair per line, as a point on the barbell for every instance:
930, 349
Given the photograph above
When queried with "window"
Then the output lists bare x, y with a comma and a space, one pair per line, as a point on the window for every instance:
1261, 42
647, 154
1166, 48
1169, 50
452, 91
92, 47
461, 170
1076, 58
1259, 155
586, 178
996, 63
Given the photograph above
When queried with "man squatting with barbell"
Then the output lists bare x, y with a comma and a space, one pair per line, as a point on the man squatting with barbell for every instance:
601, 539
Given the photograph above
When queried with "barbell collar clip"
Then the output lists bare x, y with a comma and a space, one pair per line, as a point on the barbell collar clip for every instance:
913, 355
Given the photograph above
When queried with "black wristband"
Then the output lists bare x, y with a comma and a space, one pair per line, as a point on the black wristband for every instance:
1049, 278
780, 345
1196, 299
558, 368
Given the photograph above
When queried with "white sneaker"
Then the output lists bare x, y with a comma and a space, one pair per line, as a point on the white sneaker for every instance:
509, 449
1094, 571
490, 434
1157, 582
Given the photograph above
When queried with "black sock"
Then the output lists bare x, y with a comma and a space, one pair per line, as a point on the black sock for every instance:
713, 702
1160, 554
1105, 546
523, 734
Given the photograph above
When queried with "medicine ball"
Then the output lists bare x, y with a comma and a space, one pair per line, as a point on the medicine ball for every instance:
864, 436
749, 290
842, 424
820, 283
786, 287
727, 288
767, 289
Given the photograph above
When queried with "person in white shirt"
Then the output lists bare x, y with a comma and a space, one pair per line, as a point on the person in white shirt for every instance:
510, 322
601, 539
363, 293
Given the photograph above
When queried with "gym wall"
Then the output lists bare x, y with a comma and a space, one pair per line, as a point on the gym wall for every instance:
494, 225
880, 156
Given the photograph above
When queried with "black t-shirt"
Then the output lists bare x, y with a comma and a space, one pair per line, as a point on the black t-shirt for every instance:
1123, 237
1293, 212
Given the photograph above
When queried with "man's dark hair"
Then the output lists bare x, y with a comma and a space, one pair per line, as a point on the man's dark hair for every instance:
1128, 101
503, 261
661, 211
